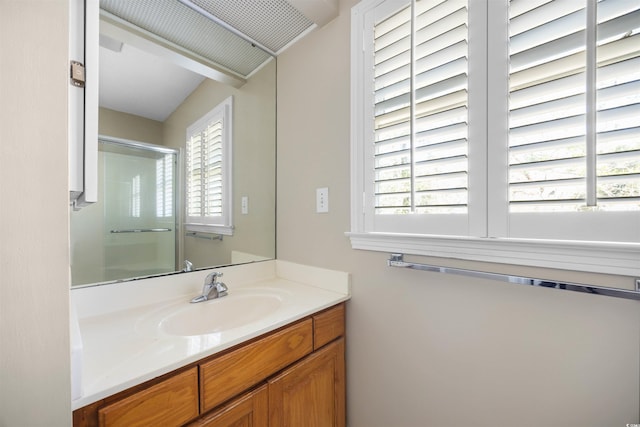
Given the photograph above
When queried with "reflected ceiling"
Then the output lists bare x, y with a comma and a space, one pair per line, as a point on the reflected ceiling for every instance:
270, 25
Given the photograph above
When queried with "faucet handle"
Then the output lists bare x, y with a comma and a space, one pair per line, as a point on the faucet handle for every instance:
212, 288
212, 278
222, 289
219, 286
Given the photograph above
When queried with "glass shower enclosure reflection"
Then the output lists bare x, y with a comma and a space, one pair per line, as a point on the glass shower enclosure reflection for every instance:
131, 230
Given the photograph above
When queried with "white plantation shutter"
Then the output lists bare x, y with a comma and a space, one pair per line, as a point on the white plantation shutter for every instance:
618, 105
212, 169
574, 139
204, 169
419, 118
392, 113
164, 186
497, 130
208, 175
440, 110
194, 175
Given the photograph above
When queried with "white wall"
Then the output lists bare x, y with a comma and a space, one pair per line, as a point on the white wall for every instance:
34, 243
425, 349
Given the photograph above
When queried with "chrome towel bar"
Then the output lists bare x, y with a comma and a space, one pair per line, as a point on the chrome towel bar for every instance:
207, 236
142, 230
397, 260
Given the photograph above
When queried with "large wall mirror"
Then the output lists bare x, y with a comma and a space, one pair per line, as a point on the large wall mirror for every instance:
137, 229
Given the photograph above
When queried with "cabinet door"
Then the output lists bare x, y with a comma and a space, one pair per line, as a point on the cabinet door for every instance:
311, 393
250, 410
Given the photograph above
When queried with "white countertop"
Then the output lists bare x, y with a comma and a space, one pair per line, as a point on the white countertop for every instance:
122, 344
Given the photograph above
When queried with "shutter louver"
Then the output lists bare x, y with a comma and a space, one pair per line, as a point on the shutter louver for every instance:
164, 186
420, 128
213, 170
194, 176
204, 172
549, 124
618, 105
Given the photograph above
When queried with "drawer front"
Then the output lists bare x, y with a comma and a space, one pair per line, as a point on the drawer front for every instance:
230, 374
328, 325
173, 401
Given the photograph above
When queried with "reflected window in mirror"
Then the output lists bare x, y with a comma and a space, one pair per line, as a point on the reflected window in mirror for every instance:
208, 169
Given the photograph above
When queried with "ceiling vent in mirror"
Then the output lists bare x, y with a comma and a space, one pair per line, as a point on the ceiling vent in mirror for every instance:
238, 35
271, 24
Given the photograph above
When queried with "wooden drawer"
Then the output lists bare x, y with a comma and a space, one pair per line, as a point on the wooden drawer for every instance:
228, 375
173, 401
328, 326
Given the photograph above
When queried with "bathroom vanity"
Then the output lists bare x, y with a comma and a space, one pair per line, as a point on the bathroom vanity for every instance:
270, 353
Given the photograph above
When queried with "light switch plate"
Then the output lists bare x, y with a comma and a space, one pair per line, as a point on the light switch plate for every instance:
322, 200
245, 205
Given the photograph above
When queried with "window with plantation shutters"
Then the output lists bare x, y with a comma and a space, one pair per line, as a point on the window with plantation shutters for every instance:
421, 110
497, 130
419, 117
574, 100
208, 172
574, 119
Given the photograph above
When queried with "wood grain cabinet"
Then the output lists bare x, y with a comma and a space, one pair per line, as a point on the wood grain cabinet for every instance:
249, 410
294, 376
311, 393
229, 374
173, 401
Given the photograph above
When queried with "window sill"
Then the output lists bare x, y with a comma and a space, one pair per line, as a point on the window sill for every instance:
595, 257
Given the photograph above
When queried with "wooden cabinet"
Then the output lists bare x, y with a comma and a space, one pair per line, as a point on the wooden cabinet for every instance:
249, 410
228, 375
328, 325
311, 393
171, 402
294, 376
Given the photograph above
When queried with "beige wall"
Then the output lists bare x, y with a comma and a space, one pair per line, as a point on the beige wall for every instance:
129, 126
34, 242
253, 162
426, 349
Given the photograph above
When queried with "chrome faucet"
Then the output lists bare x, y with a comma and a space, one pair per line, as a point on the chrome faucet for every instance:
212, 288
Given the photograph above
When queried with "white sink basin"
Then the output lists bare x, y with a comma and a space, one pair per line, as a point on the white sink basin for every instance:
239, 308
219, 314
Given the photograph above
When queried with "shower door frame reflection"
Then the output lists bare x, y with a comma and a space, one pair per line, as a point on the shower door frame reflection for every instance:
138, 209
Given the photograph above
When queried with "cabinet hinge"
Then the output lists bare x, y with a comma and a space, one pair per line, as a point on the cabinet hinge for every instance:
77, 74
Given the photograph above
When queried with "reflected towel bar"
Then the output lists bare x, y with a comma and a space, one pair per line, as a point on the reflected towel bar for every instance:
203, 236
142, 230
397, 260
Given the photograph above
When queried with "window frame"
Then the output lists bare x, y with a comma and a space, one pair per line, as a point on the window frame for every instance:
491, 29
219, 224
